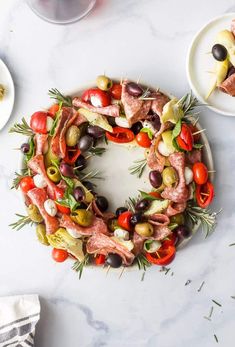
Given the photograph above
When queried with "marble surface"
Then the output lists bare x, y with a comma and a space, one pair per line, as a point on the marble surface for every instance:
147, 37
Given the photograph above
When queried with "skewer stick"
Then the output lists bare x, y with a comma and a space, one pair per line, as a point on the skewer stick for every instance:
109, 267
195, 122
199, 131
211, 171
121, 273
138, 79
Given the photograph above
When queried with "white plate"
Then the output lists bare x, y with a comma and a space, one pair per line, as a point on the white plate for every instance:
6, 105
199, 62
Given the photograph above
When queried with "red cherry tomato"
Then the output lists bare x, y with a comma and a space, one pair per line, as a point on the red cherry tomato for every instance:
97, 97
200, 173
185, 138
143, 140
26, 184
100, 259
164, 256
62, 209
58, 194
120, 135
59, 255
204, 194
116, 91
124, 220
53, 109
38, 122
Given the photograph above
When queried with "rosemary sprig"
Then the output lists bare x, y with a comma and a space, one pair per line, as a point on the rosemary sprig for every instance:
138, 167
78, 266
18, 178
216, 338
97, 151
188, 102
58, 96
130, 203
21, 128
142, 262
21, 222
146, 95
94, 174
216, 302
206, 217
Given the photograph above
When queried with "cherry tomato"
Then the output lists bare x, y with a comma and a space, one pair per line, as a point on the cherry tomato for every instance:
143, 140
53, 109
26, 184
204, 194
71, 155
170, 240
116, 91
120, 135
194, 129
62, 209
58, 194
100, 259
38, 122
163, 256
185, 138
200, 173
97, 97
59, 255
124, 220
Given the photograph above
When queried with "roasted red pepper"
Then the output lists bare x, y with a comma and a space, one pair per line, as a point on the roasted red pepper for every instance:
116, 91
120, 135
97, 97
204, 194
72, 153
185, 138
100, 259
163, 256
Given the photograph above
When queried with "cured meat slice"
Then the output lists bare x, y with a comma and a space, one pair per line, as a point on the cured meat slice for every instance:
138, 243
112, 110
80, 119
37, 165
179, 193
155, 160
228, 86
98, 226
134, 108
194, 156
159, 102
159, 219
40, 141
58, 144
105, 215
38, 196
103, 244
175, 208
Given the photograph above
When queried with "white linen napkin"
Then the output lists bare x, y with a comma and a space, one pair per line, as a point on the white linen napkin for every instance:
18, 318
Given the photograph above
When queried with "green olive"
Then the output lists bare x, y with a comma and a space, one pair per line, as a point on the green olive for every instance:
113, 224
34, 214
144, 229
169, 176
178, 219
54, 174
72, 136
103, 82
41, 234
82, 217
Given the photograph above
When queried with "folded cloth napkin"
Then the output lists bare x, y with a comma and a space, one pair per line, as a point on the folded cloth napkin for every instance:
18, 318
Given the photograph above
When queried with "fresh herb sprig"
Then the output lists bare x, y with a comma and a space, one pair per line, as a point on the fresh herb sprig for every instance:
142, 262
21, 128
21, 222
58, 96
68, 200
18, 178
78, 266
94, 174
97, 151
188, 103
138, 167
131, 203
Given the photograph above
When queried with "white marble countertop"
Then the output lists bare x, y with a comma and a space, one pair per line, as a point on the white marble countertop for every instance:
123, 38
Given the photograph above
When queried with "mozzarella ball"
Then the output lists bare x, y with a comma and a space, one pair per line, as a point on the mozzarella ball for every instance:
122, 122
121, 234
50, 207
49, 124
164, 150
188, 174
39, 181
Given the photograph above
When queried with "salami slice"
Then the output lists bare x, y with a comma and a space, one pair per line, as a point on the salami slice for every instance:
38, 196
155, 160
179, 193
159, 102
175, 208
159, 219
194, 156
40, 141
98, 226
103, 244
228, 86
112, 110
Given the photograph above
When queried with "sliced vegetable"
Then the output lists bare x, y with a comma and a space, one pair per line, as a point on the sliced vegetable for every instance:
151, 246
143, 139
59, 255
41, 234
53, 109
26, 184
124, 220
97, 97
120, 135
72, 155
99, 259
164, 256
41, 122
54, 174
204, 194
172, 111
200, 173
185, 138
96, 119
156, 206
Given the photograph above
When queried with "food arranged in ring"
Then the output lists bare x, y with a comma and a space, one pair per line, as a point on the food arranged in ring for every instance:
61, 199
223, 51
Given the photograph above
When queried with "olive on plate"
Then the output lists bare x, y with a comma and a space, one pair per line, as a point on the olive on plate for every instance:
155, 178
95, 131
82, 217
219, 52
142, 205
182, 232
34, 214
79, 193
114, 260
80, 163
85, 143
66, 170
136, 127
102, 203
144, 229
120, 210
103, 82
169, 176
136, 218
72, 136
25, 147
134, 89
54, 174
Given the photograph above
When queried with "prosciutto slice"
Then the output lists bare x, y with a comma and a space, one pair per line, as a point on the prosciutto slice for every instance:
159, 102
98, 226
175, 208
103, 244
40, 141
134, 108
228, 86
112, 110
58, 144
159, 219
194, 156
37, 165
38, 196
179, 193
155, 160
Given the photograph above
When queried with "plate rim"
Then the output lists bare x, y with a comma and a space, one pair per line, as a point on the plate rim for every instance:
13, 94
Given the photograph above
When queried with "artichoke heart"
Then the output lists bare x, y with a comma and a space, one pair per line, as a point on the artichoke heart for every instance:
128, 244
172, 111
221, 70
226, 38
96, 119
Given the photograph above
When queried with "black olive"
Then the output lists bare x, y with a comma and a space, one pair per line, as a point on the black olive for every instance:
136, 218
85, 143
155, 178
120, 210
219, 52
114, 260
80, 163
25, 148
134, 89
155, 120
79, 193
95, 131
111, 121
66, 170
83, 206
102, 203
88, 185
183, 232
136, 127
231, 71
142, 205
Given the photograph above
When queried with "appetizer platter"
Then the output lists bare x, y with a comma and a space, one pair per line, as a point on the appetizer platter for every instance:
210, 65
62, 204
7, 94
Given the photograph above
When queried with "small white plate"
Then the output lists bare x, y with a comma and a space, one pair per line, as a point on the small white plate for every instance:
6, 105
199, 62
